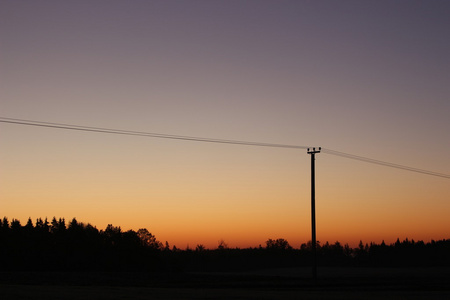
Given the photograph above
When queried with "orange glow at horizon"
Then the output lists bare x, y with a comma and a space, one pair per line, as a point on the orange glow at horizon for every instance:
245, 212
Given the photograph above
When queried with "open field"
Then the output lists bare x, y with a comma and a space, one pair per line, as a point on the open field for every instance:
292, 283
84, 292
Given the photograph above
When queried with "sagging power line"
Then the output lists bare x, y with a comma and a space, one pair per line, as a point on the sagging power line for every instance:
143, 134
383, 163
214, 140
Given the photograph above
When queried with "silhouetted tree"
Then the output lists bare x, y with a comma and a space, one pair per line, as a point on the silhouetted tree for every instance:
29, 226
222, 245
15, 225
5, 223
148, 239
167, 246
278, 244
200, 248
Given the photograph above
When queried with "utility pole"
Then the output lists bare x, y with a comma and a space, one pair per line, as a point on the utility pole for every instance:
313, 211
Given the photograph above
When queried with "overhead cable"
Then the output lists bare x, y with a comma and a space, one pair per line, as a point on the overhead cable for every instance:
213, 140
383, 163
143, 134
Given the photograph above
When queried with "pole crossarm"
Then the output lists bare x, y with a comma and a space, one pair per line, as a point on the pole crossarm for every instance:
313, 150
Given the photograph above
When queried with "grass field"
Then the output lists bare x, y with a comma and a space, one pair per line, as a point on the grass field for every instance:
99, 292
333, 283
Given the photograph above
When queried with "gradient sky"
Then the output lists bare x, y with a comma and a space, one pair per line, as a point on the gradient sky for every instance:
370, 78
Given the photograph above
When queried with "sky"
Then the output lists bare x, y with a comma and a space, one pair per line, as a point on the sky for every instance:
370, 78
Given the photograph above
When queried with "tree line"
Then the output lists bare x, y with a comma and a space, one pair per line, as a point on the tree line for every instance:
76, 246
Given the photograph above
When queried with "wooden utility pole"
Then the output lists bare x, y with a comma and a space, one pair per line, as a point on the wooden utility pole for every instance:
313, 211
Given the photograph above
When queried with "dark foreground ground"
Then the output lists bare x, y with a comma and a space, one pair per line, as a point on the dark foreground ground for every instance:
288, 283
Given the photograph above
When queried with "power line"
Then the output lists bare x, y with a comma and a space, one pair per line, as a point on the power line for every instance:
143, 134
213, 140
383, 163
